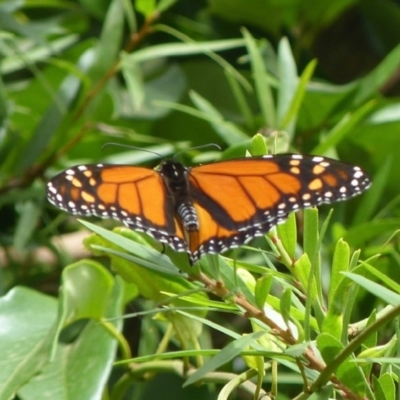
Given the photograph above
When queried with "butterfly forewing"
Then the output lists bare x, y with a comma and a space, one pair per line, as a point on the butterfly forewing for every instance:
133, 195
247, 197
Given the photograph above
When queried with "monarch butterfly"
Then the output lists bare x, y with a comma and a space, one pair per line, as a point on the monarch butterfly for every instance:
208, 208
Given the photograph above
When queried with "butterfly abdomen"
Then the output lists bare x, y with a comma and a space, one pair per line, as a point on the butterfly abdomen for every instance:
188, 216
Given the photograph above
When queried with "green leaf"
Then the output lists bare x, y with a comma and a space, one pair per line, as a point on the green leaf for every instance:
262, 289
37, 54
348, 372
134, 80
86, 290
324, 393
227, 354
311, 237
26, 320
286, 304
258, 145
370, 199
109, 45
386, 295
382, 276
144, 255
241, 100
81, 368
153, 282
343, 128
227, 131
302, 270
369, 343
371, 83
49, 122
387, 393
30, 213
293, 109
145, 7
164, 5
182, 49
4, 108
261, 80
256, 13
288, 78
358, 235
287, 233
340, 263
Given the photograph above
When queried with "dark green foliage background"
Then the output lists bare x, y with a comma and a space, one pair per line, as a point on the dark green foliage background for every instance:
58, 107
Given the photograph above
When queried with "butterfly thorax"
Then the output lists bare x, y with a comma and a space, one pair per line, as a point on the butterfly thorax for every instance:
175, 177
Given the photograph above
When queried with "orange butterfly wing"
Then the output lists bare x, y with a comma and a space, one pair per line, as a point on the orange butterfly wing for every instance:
230, 201
239, 199
134, 195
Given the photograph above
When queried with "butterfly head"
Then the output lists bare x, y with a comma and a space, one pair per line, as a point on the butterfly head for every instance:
174, 175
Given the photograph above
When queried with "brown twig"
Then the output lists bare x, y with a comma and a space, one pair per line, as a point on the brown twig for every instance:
313, 362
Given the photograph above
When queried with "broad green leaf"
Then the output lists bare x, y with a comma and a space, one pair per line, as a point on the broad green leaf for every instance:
86, 290
156, 284
80, 369
26, 320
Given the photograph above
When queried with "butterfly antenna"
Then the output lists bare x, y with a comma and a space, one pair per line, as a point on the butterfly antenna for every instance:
130, 147
202, 146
